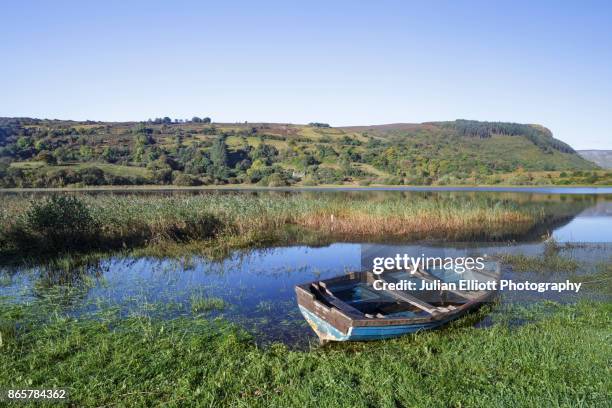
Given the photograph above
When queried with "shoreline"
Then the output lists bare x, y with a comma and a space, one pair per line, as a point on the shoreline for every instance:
543, 189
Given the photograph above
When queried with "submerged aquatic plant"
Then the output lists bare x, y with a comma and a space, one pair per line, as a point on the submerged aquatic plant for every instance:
200, 304
550, 261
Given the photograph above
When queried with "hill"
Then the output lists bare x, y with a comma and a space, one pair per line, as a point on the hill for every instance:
603, 158
56, 153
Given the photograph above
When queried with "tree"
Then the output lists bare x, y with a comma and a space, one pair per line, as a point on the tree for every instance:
3, 169
109, 154
181, 179
309, 160
23, 143
206, 120
199, 164
91, 176
61, 154
218, 152
265, 152
276, 180
196, 119
144, 139
46, 157
142, 129
40, 145
163, 176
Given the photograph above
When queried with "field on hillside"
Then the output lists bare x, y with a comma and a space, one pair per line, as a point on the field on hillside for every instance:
43, 153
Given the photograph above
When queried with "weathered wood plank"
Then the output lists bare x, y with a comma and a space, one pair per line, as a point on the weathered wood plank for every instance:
410, 299
334, 301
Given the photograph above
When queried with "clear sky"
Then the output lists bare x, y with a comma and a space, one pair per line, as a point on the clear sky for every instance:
344, 63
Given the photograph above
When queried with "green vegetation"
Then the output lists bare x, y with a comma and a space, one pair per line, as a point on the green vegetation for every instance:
111, 355
560, 358
200, 304
52, 153
219, 222
551, 261
60, 222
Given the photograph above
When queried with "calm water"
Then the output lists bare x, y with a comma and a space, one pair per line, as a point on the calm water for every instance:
257, 285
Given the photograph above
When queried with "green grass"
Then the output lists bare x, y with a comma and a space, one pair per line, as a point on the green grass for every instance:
560, 359
28, 165
114, 169
372, 170
552, 260
200, 304
548, 263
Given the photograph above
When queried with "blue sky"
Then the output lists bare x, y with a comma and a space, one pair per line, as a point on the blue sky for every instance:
332, 61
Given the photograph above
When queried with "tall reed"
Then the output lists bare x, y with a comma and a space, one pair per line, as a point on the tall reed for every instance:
244, 219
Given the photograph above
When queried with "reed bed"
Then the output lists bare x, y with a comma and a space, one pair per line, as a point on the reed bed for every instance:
247, 220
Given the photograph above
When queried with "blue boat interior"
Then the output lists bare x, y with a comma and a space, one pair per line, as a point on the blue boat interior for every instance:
360, 295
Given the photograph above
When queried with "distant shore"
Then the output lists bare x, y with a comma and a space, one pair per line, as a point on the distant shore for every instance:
544, 189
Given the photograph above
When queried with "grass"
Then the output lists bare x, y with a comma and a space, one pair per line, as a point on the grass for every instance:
114, 169
558, 257
551, 261
28, 165
227, 221
558, 356
525, 263
560, 360
200, 304
372, 170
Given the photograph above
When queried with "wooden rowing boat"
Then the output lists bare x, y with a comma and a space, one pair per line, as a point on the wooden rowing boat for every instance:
349, 308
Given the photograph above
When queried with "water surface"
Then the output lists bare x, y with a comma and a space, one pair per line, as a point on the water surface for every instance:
257, 285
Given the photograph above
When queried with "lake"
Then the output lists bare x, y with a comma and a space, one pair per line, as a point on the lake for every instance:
256, 285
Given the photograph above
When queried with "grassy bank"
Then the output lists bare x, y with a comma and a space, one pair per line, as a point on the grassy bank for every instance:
225, 221
560, 360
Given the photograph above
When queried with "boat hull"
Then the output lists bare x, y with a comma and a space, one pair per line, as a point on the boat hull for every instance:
327, 332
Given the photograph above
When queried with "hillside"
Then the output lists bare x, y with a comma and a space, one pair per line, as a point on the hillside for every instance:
55, 153
603, 158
